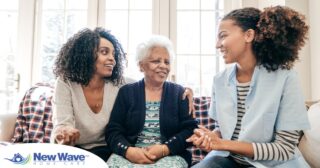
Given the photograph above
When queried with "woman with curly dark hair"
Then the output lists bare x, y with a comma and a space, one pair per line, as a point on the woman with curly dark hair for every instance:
257, 102
89, 69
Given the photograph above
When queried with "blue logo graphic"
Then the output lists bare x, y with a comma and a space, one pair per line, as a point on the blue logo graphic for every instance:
18, 159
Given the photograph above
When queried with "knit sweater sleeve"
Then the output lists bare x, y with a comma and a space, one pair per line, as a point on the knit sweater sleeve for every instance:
177, 143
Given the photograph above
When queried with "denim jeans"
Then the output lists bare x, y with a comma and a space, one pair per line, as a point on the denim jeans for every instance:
217, 162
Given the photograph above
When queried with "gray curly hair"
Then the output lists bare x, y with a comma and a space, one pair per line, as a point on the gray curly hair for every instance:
144, 48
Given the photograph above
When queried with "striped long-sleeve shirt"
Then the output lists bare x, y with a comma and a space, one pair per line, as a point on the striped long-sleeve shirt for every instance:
281, 149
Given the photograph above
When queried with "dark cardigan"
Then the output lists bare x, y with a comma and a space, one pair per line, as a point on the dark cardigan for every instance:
128, 118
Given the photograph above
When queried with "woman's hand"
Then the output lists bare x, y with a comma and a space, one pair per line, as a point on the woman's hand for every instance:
215, 141
200, 138
67, 135
198, 133
159, 151
139, 156
188, 93
205, 139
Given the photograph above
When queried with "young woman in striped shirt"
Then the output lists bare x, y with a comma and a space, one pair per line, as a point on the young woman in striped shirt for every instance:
257, 102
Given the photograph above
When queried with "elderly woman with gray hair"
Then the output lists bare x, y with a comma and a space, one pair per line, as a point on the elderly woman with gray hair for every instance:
150, 122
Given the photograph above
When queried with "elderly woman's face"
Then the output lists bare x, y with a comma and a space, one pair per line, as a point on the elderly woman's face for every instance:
105, 60
156, 66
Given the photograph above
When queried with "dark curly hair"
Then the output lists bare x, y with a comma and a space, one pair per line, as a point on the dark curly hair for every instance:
76, 59
280, 32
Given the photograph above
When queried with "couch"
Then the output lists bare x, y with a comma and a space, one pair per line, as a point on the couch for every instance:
310, 142
10, 129
33, 122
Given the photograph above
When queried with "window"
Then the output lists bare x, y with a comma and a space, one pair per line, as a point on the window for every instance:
197, 58
58, 20
40, 27
130, 21
8, 34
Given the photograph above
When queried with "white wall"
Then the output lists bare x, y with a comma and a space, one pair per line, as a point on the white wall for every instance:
303, 66
314, 16
250, 3
267, 3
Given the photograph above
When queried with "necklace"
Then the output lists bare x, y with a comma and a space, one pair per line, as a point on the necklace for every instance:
97, 105
94, 94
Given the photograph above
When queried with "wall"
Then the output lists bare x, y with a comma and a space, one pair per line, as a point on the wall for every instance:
267, 3
314, 15
303, 65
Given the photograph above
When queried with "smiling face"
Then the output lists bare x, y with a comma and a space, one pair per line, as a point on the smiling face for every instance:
156, 66
232, 41
105, 59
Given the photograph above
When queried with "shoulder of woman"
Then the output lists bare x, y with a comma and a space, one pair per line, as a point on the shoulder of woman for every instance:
60, 81
227, 72
128, 80
170, 86
130, 86
282, 72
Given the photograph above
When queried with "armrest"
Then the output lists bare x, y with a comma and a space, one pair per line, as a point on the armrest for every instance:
7, 125
309, 144
310, 103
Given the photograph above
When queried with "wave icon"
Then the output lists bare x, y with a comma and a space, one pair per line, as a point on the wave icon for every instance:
18, 159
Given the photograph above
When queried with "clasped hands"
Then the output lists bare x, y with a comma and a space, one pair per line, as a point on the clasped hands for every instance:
147, 155
205, 139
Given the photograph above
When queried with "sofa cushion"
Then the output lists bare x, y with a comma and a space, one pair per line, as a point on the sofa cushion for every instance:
201, 105
310, 141
34, 122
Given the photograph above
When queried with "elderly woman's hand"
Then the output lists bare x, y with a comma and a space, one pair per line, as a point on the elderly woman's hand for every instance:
67, 135
188, 93
159, 151
139, 156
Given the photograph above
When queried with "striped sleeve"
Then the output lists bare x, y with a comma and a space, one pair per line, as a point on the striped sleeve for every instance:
282, 149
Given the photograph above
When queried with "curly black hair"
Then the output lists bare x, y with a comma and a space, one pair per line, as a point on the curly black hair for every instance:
280, 32
76, 59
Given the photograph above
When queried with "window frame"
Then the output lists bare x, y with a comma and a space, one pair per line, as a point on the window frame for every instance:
164, 22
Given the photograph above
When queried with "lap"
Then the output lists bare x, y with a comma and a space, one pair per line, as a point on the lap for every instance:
116, 161
216, 162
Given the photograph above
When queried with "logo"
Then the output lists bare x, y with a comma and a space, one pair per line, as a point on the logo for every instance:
61, 157
18, 159
43, 155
